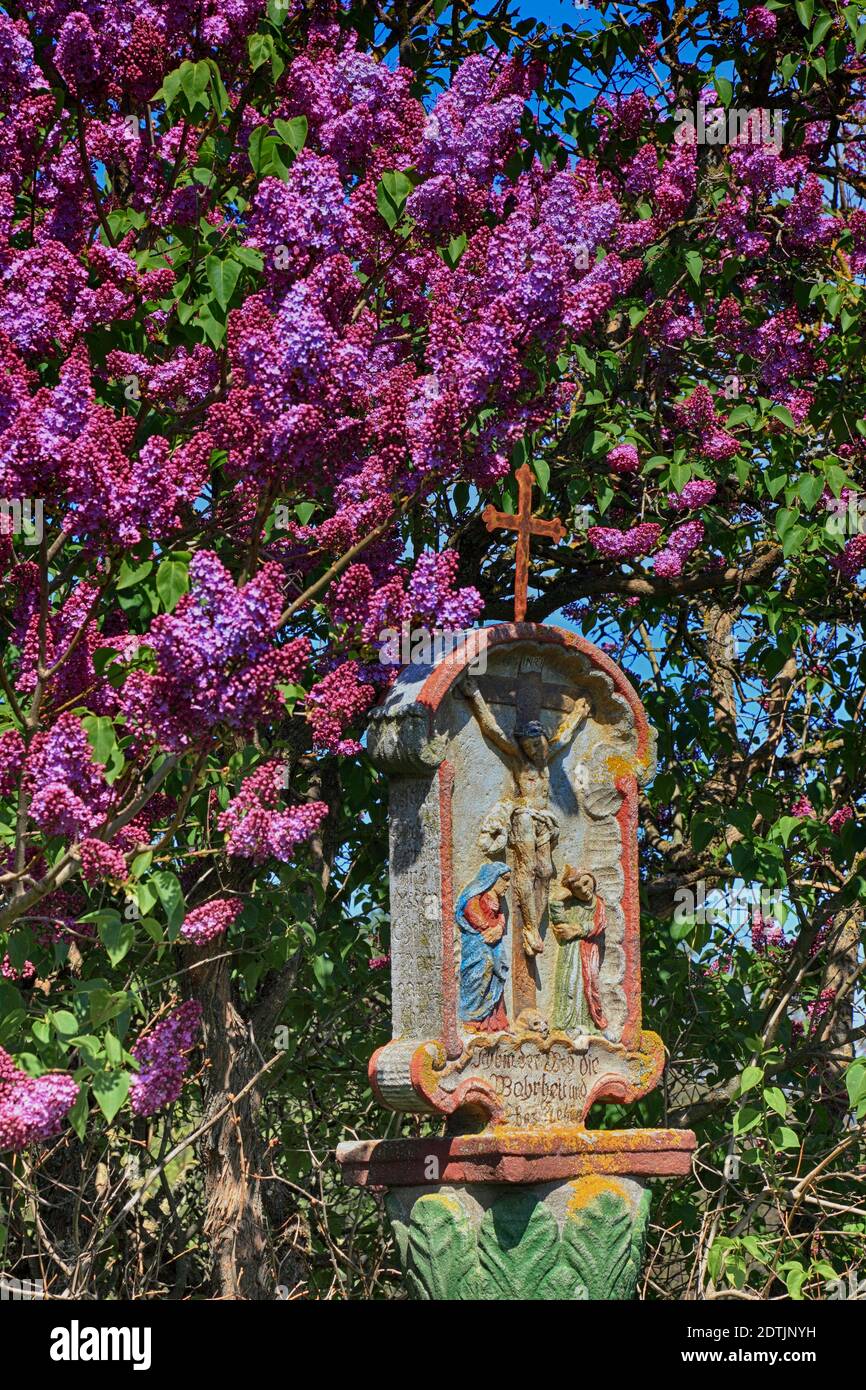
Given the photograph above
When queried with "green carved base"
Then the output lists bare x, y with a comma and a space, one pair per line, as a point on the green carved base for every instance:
578, 1239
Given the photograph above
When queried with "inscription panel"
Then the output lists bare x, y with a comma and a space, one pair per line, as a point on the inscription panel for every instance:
541, 1083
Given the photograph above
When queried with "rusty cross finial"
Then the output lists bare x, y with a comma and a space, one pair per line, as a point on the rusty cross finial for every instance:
526, 525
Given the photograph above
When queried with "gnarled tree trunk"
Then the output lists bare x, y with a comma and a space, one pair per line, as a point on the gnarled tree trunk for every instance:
231, 1149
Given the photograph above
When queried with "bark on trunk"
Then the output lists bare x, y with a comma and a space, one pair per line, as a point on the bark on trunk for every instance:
232, 1150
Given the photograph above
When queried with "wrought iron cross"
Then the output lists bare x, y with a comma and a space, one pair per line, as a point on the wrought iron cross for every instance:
526, 525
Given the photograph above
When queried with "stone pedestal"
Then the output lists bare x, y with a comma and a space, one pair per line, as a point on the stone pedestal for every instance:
555, 1214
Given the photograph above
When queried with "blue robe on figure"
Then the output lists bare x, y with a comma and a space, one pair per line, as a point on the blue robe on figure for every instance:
483, 966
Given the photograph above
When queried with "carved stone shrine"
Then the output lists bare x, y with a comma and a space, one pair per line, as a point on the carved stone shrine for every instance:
514, 766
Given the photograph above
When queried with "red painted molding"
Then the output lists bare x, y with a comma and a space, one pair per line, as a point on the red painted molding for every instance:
517, 1156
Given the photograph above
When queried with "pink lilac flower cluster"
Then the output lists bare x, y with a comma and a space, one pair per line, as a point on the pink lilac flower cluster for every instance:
820, 1007
624, 459
431, 595
68, 791
766, 932
682, 541
101, 861
259, 826
698, 492
211, 920
761, 24
852, 559
840, 818
723, 966
336, 702
218, 663
802, 808
162, 1055
624, 545
698, 414
32, 1108
11, 760
315, 388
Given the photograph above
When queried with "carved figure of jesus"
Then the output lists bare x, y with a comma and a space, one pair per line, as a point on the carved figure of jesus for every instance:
525, 823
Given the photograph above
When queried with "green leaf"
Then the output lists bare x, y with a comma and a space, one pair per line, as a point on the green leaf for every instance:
129, 576
775, 1098
172, 582
541, 469
392, 191
781, 412
810, 489
785, 1138
117, 936
110, 1089
681, 473
746, 1118
194, 81
796, 1277
682, 928
77, 1116
293, 133
855, 1081
794, 540
261, 49
775, 483
750, 1078
222, 278
64, 1023
212, 328
820, 30
170, 88
805, 9
323, 969
785, 827
694, 265
454, 250
101, 736
170, 893
105, 1005
248, 255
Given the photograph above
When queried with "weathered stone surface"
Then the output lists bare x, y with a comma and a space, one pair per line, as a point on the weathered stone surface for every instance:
514, 765
515, 1155
466, 798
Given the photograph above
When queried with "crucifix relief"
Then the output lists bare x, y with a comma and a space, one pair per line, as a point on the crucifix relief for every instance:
526, 525
523, 822
514, 764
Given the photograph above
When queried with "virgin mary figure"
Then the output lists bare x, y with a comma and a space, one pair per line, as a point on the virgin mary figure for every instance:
483, 959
